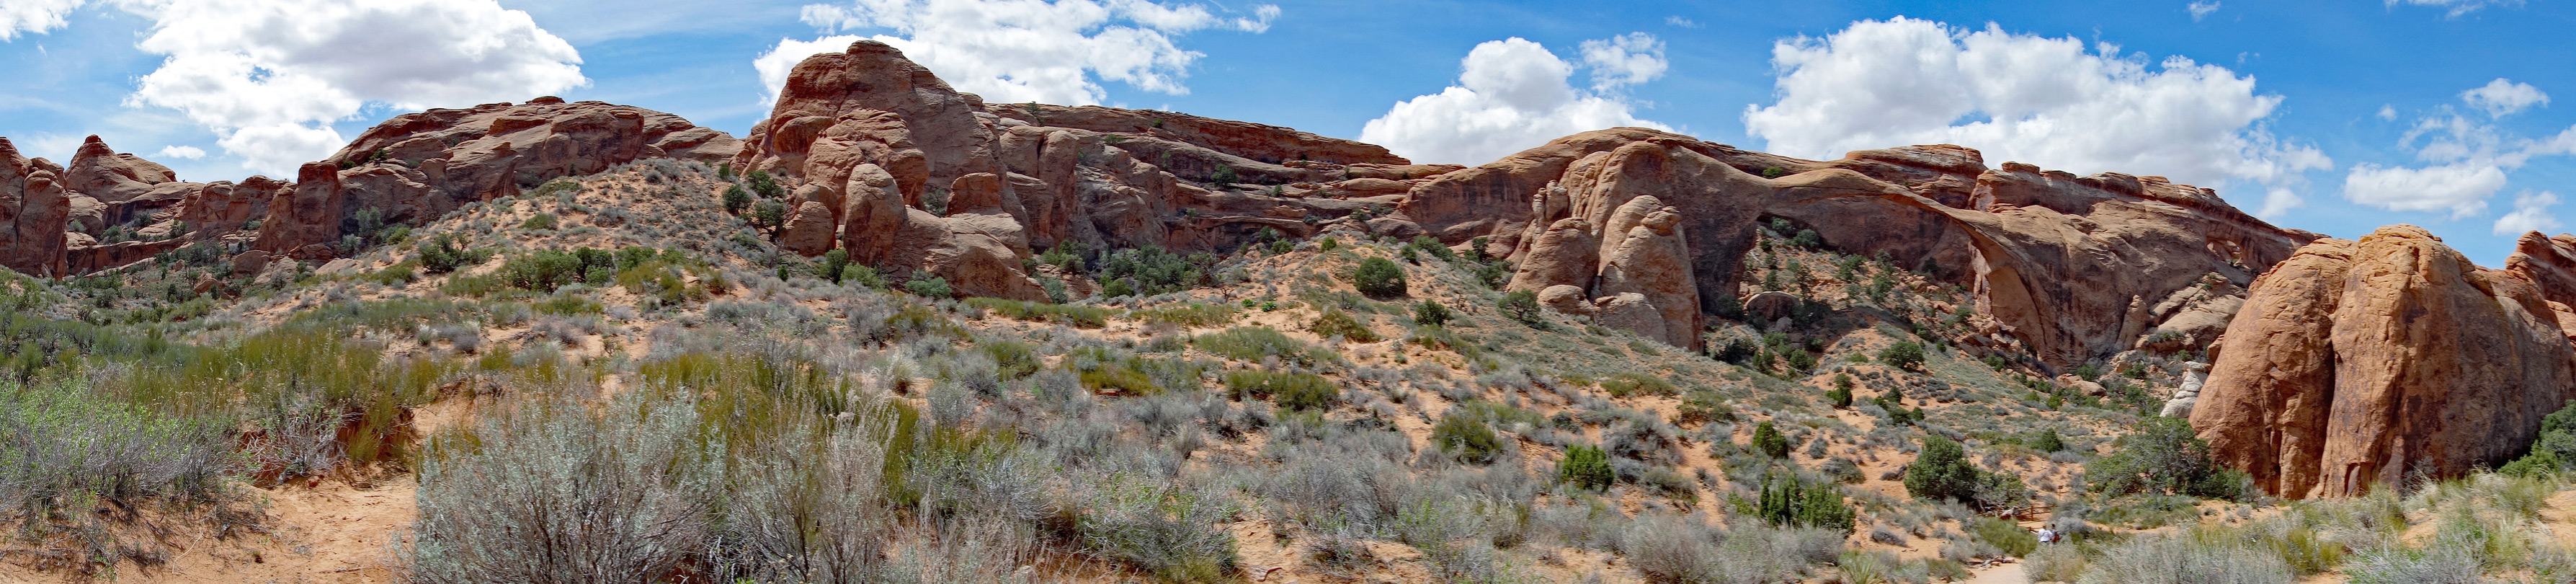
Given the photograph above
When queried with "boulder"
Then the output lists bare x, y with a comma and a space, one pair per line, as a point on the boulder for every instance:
1565, 299
809, 231
1630, 311
2355, 365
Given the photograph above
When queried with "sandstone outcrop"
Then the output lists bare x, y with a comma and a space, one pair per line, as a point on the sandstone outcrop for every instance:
34, 209
871, 136
2059, 260
2354, 365
419, 166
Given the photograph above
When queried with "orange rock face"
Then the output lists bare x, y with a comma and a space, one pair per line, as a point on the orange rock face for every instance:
2059, 260
34, 209
2358, 364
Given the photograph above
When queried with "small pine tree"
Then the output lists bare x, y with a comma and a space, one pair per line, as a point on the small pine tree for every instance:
769, 216
1907, 355
736, 199
1522, 306
1431, 313
1941, 472
833, 262
1842, 392
1378, 277
1768, 439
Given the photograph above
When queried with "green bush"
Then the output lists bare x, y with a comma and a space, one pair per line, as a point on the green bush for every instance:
2046, 440
1189, 314
1432, 247
1432, 313
1941, 471
1625, 384
441, 255
1088, 317
736, 199
2164, 456
1335, 323
1297, 391
1907, 355
1378, 278
1585, 467
1841, 395
1256, 343
1466, 437
933, 287
1150, 271
1522, 306
539, 222
1768, 439
2553, 448
1788, 502
2007, 536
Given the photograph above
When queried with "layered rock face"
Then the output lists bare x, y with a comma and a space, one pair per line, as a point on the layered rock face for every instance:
414, 167
869, 137
2356, 364
34, 208
2073, 267
422, 165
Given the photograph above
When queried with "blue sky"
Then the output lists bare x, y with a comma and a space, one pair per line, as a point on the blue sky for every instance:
2334, 117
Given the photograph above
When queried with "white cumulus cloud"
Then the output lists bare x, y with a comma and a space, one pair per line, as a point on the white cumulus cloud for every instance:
2502, 97
1626, 59
1034, 50
270, 76
183, 152
2461, 189
2530, 213
2045, 101
2468, 159
1512, 95
2200, 10
34, 16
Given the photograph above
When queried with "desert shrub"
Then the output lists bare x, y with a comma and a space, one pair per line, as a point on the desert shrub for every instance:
2553, 448
859, 275
2164, 456
1941, 471
1626, 384
2187, 558
1702, 407
736, 199
1907, 355
1768, 440
1585, 467
66, 450
1335, 323
1164, 527
933, 287
1378, 278
2056, 563
1188, 314
1257, 343
1431, 313
1466, 437
2006, 535
1089, 317
1788, 502
1522, 306
1291, 390
539, 222
440, 255
557, 494
1150, 271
